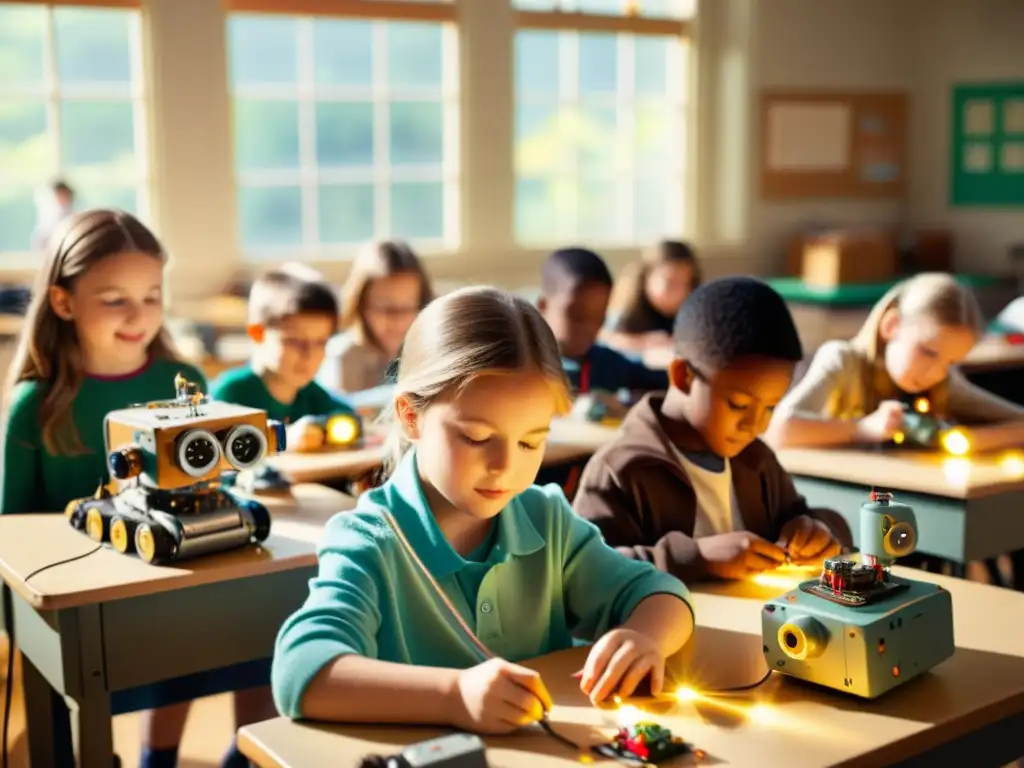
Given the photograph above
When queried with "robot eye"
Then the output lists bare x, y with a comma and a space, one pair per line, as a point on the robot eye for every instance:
244, 446
197, 452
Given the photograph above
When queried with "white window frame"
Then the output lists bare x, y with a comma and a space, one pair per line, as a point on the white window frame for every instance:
627, 27
54, 94
309, 176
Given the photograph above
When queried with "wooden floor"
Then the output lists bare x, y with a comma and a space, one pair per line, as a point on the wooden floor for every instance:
207, 734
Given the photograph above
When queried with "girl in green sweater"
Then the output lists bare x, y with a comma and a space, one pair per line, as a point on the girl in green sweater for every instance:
93, 342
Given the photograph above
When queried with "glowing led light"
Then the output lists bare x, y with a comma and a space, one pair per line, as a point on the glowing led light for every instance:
1013, 464
342, 430
955, 443
765, 715
956, 471
686, 694
898, 438
921, 405
628, 716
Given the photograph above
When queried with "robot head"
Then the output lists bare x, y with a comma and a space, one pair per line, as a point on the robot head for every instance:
888, 529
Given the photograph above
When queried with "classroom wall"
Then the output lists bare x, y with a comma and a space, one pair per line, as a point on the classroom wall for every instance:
822, 45
963, 41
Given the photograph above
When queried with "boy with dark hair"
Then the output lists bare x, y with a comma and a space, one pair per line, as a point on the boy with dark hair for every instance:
576, 286
292, 315
687, 485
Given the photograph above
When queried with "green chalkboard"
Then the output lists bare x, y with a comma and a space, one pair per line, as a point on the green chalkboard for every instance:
987, 148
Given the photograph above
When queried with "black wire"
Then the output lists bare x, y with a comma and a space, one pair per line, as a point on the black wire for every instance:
8, 607
37, 571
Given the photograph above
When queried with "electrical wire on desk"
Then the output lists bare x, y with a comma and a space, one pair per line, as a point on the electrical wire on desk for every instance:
37, 571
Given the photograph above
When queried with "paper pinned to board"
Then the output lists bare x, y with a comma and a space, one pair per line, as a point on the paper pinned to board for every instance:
979, 117
809, 137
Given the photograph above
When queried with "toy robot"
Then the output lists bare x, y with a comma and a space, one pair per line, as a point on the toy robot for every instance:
169, 457
922, 429
646, 744
858, 628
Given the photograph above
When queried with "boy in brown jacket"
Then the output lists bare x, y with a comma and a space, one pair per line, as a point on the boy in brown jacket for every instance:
687, 485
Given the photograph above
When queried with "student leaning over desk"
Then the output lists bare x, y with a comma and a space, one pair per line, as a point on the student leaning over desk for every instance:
458, 534
856, 391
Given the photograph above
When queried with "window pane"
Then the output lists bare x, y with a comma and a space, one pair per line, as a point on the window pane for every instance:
596, 139
598, 64
125, 198
22, 51
346, 213
669, 9
417, 132
540, 145
414, 54
94, 45
343, 52
17, 218
659, 138
26, 151
651, 68
650, 203
536, 61
266, 134
263, 50
417, 210
270, 216
599, 210
607, 7
544, 208
344, 133
98, 133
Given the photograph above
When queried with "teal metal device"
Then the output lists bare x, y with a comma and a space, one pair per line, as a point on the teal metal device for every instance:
858, 628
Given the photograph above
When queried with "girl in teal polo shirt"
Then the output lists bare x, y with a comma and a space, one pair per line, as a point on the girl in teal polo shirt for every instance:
458, 557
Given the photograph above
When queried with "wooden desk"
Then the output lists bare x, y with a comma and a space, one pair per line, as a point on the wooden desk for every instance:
993, 353
968, 707
97, 627
569, 440
967, 508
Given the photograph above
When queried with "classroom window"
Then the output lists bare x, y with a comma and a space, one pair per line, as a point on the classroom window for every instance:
601, 129
345, 130
71, 106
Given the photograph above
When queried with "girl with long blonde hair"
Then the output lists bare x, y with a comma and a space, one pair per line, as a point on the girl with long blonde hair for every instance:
457, 567
908, 348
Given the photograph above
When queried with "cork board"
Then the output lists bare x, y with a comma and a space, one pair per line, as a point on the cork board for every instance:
833, 144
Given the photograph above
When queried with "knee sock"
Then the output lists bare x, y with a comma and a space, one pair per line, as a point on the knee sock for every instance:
159, 758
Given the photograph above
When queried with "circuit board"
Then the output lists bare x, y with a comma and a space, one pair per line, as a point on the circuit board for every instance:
646, 744
853, 599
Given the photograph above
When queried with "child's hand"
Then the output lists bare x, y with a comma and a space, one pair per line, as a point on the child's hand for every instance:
619, 662
879, 426
808, 541
498, 697
305, 435
739, 554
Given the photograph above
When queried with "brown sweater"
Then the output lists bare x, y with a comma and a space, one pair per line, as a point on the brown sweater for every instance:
636, 491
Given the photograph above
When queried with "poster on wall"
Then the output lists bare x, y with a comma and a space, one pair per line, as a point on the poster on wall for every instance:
987, 147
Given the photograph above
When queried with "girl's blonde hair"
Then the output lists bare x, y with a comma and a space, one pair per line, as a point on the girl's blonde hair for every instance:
48, 349
465, 334
630, 295
376, 261
935, 296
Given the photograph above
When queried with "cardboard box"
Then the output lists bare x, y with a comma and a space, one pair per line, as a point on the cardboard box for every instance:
850, 257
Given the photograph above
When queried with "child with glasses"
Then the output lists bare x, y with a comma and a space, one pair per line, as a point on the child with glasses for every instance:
293, 313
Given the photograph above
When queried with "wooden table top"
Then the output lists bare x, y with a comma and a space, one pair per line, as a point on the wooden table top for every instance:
569, 439
31, 542
782, 723
911, 471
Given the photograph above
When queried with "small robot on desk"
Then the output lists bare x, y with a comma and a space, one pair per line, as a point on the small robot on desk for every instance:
922, 429
858, 628
169, 456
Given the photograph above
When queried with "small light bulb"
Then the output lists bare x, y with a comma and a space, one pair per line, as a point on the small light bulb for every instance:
898, 438
956, 443
921, 405
686, 694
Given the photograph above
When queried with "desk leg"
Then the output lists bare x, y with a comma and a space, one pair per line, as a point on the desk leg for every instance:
92, 722
46, 715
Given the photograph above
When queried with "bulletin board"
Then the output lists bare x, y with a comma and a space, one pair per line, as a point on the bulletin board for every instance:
833, 144
987, 148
